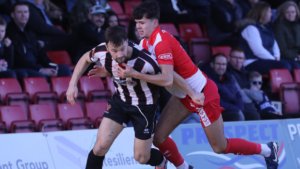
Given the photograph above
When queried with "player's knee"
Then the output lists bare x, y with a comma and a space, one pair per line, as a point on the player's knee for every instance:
100, 149
142, 158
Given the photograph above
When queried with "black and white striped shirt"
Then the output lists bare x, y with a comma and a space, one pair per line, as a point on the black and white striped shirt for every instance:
130, 90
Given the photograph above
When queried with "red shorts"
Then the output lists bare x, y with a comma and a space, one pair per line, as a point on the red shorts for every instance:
211, 110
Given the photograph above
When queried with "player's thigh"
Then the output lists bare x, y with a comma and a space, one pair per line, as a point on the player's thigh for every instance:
107, 133
172, 115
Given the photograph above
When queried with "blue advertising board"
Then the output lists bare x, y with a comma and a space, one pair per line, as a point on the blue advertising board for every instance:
193, 144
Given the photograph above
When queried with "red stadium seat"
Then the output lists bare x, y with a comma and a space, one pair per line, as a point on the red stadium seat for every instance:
2, 127
129, 6
95, 111
290, 98
297, 75
39, 90
60, 86
73, 117
278, 77
221, 49
190, 30
60, 57
93, 88
44, 116
12, 94
200, 50
16, 119
169, 27
116, 7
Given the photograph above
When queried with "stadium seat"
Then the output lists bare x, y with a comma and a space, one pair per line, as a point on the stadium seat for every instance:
297, 75
93, 88
60, 57
12, 94
129, 6
278, 77
39, 90
190, 30
123, 20
221, 49
73, 116
200, 50
16, 119
2, 127
116, 7
290, 98
60, 86
95, 111
169, 27
44, 116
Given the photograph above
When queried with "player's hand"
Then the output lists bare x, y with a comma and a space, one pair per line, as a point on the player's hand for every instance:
72, 94
198, 98
125, 71
97, 71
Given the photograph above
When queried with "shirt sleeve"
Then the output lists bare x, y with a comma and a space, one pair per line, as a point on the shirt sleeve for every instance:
98, 54
252, 36
164, 53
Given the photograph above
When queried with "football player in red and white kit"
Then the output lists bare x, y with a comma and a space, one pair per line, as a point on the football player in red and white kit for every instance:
172, 57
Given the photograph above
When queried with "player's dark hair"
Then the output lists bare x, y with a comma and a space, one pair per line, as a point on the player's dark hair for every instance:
115, 35
148, 9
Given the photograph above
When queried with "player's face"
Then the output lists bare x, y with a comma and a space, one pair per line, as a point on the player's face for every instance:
146, 26
118, 53
21, 15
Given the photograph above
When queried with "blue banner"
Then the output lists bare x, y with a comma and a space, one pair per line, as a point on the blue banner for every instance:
194, 145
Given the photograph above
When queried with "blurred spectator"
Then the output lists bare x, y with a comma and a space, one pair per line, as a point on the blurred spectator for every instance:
199, 10
41, 25
133, 35
6, 52
29, 57
5, 6
79, 13
222, 28
258, 42
231, 99
237, 70
80, 10
174, 11
112, 19
258, 96
246, 5
287, 32
89, 33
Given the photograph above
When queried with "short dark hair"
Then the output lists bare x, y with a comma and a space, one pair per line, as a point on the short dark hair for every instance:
213, 58
2, 21
116, 35
149, 9
13, 8
254, 74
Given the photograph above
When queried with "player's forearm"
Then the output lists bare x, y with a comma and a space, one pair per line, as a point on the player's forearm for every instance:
79, 69
158, 79
181, 83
